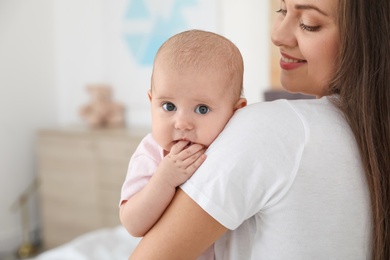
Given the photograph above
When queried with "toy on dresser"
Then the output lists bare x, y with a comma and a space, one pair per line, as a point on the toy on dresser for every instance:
102, 111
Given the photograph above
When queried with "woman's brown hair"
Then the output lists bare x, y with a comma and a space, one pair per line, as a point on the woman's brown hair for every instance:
362, 82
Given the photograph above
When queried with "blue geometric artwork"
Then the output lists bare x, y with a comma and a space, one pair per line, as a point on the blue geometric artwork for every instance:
149, 25
137, 9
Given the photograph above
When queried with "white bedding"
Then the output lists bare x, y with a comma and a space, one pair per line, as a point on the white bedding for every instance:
102, 244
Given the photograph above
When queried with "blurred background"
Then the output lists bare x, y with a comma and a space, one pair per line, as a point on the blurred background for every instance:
50, 50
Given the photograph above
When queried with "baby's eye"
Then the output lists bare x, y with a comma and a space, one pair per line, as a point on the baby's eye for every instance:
202, 109
168, 106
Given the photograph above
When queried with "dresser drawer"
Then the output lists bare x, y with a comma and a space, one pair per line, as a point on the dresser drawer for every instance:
81, 174
123, 148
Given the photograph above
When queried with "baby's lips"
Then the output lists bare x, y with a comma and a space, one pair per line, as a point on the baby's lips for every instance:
185, 140
189, 143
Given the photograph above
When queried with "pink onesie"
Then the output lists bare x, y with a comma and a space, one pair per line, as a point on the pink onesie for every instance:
142, 166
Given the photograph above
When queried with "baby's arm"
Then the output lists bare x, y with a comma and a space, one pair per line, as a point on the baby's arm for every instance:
143, 210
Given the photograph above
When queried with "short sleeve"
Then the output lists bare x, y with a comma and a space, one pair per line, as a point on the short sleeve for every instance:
252, 163
142, 166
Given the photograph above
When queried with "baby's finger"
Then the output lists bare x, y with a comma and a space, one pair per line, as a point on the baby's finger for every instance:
193, 157
178, 147
192, 163
190, 151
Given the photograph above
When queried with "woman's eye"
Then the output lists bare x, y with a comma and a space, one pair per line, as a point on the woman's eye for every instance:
169, 106
202, 109
282, 11
309, 28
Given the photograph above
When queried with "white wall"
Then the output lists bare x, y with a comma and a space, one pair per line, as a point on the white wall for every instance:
90, 44
245, 22
90, 48
27, 101
49, 51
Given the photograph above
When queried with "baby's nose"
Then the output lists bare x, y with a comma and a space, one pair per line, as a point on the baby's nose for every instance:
183, 123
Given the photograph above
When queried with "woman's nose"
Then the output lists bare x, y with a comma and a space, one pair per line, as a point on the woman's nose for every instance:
283, 33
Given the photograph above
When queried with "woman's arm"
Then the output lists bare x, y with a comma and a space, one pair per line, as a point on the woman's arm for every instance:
184, 231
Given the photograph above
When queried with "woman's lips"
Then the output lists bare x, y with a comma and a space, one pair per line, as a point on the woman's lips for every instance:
289, 63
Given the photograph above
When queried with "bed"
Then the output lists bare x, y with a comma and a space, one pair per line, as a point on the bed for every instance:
102, 244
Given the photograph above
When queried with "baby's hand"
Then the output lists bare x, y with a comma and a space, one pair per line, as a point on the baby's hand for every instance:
181, 162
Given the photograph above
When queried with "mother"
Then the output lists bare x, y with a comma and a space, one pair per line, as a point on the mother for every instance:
304, 179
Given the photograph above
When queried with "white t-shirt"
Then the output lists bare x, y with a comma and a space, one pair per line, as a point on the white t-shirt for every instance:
286, 178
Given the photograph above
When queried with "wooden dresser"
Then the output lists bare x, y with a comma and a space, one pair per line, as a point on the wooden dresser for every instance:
81, 172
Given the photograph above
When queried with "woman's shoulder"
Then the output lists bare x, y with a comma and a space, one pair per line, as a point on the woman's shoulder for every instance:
282, 111
284, 105
284, 118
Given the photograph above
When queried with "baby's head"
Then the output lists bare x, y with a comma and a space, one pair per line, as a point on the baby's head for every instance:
197, 84
203, 52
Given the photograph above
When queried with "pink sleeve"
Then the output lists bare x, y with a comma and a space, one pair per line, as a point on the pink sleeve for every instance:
142, 166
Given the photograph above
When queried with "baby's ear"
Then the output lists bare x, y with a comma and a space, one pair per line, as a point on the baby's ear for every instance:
240, 104
150, 95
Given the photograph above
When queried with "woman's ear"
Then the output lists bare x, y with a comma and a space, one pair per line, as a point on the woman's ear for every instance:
150, 95
240, 104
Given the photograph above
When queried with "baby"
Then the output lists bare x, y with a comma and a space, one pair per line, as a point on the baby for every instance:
196, 86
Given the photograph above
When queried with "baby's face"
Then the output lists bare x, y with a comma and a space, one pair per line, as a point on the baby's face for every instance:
189, 106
